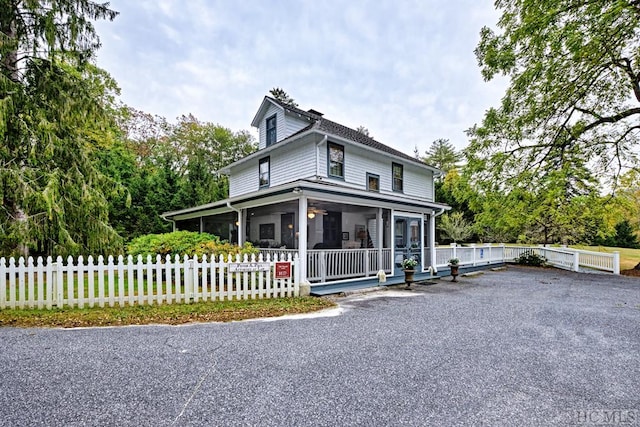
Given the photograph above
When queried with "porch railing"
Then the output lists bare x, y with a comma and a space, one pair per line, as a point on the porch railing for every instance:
560, 257
343, 264
335, 264
332, 264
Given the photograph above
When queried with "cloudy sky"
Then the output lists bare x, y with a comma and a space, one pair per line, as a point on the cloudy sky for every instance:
404, 69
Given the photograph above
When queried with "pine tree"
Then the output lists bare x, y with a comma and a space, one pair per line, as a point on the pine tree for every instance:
50, 118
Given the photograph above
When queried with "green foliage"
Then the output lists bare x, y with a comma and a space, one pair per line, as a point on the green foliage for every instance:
167, 167
282, 96
455, 227
574, 94
532, 259
442, 155
52, 117
409, 263
623, 237
185, 243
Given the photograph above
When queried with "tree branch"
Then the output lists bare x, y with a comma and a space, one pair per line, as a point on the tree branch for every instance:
611, 119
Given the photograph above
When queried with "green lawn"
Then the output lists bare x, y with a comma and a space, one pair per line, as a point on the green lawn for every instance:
629, 258
173, 314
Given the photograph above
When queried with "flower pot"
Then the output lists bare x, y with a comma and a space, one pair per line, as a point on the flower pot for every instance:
454, 272
408, 276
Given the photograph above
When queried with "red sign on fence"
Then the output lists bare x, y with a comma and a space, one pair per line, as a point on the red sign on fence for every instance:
282, 270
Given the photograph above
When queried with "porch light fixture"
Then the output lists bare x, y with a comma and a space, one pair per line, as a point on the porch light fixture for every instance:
311, 215
290, 226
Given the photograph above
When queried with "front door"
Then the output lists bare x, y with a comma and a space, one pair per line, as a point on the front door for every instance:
287, 231
407, 240
332, 230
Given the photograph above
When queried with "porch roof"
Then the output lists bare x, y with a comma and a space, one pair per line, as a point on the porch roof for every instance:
312, 189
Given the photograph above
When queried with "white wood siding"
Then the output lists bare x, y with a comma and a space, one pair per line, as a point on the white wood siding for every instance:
298, 161
358, 162
280, 125
294, 124
293, 163
286, 165
244, 179
417, 182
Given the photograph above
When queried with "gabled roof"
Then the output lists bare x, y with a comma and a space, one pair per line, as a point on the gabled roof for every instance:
333, 128
328, 127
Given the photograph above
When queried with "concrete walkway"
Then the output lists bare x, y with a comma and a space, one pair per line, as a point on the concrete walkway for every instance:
516, 347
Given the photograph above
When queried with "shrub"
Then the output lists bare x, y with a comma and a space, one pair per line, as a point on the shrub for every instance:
532, 259
185, 243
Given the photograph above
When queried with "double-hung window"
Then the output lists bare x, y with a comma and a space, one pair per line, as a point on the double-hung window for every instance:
398, 176
271, 130
336, 160
373, 182
264, 172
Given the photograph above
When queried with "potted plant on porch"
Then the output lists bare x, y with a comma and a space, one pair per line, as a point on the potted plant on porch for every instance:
454, 264
409, 267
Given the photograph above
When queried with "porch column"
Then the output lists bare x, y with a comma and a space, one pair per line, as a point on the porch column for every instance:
302, 236
432, 237
241, 227
380, 237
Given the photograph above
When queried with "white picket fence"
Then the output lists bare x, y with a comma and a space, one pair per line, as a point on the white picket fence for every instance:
126, 281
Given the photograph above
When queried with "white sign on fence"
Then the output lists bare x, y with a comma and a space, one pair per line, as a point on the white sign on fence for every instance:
241, 267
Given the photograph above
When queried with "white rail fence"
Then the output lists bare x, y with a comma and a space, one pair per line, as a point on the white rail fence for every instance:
560, 257
334, 264
126, 281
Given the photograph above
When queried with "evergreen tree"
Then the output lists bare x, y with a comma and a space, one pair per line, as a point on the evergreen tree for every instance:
442, 155
282, 96
52, 195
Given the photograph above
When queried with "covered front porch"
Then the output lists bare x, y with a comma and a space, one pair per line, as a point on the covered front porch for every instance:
344, 235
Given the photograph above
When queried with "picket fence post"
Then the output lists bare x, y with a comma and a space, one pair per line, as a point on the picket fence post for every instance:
80, 282
41, 282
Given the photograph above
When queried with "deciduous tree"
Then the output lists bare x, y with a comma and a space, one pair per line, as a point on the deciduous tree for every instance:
574, 96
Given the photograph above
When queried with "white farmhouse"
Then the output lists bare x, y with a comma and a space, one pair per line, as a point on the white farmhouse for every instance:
347, 204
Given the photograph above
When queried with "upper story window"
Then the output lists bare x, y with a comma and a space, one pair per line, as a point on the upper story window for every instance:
373, 182
271, 130
398, 176
264, 172
336, 160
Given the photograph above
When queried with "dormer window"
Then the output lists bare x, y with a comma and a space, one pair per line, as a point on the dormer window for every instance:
271, 130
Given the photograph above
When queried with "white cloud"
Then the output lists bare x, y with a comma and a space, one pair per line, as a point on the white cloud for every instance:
405, 70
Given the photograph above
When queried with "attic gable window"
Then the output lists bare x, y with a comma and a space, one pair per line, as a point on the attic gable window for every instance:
336, 160
264, 172
398, 176
271, 130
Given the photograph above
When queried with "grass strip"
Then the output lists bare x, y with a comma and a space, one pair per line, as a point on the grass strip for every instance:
170, 314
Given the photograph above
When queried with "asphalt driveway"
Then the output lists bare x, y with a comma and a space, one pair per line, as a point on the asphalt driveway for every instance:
516, 347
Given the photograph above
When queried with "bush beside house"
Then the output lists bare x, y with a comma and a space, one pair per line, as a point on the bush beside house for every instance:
186, 243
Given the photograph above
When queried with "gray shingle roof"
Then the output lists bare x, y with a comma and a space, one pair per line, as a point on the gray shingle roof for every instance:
333, 128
